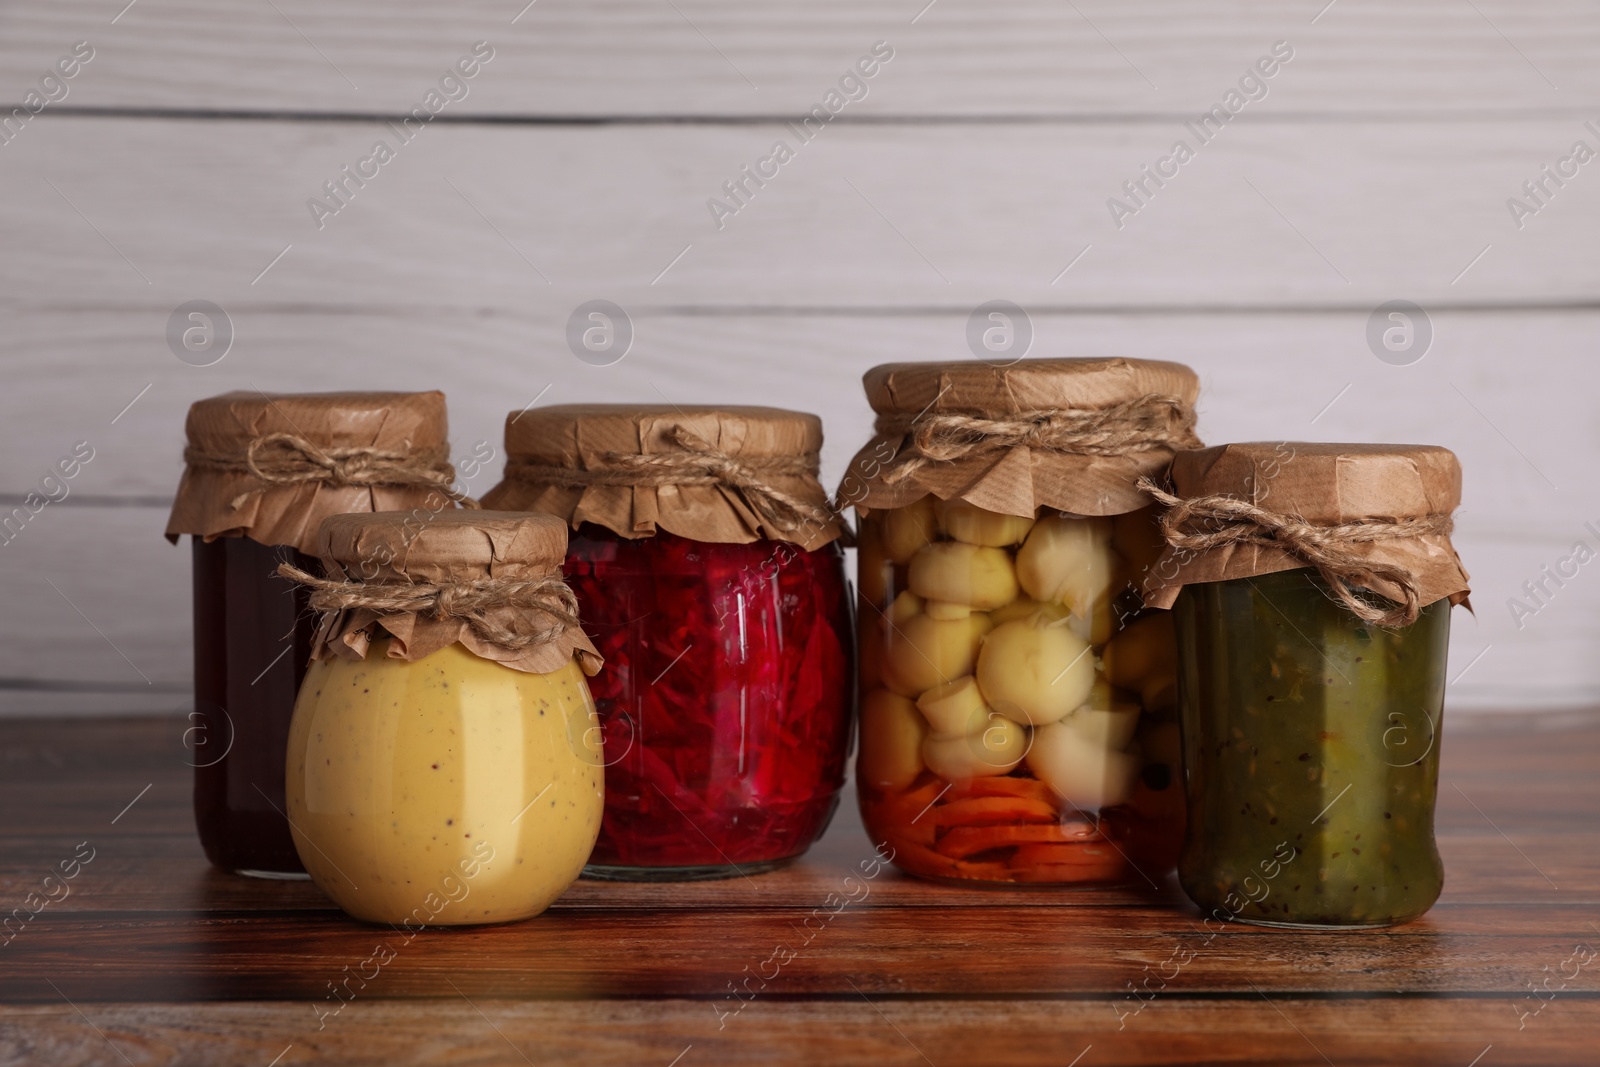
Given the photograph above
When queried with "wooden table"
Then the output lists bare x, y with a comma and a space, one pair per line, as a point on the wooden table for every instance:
153, 957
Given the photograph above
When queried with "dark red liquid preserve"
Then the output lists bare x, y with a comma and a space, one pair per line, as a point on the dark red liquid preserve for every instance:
725, 699
252, 642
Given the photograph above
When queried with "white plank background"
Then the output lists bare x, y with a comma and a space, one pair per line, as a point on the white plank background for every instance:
608, 58
978, 167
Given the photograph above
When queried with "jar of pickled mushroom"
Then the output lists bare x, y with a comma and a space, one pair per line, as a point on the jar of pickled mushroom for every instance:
710, 574
443, 761
262, 473
1018, 707
1311, 586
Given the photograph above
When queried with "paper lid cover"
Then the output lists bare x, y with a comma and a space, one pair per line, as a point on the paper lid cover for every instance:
573, 460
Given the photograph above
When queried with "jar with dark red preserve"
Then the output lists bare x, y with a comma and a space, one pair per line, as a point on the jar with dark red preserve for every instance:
262, 473
710, 576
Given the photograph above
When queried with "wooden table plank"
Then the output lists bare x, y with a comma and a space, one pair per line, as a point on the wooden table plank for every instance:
178, 963
926, 952
167, 872
1285, 1032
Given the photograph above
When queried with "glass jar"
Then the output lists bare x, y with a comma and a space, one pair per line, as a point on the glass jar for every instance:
262, 472
1311, 587
1313, 754
438, 774
1017, 701
1017, 704
724, 702
422, 807
252, 643
711, 578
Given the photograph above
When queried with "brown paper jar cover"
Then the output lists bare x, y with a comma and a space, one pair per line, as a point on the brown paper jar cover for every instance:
214, 503
580, 437
402, 548
1323, 484
1018, 480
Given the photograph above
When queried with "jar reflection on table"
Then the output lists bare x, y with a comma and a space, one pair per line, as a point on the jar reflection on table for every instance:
724, 700
1312, 742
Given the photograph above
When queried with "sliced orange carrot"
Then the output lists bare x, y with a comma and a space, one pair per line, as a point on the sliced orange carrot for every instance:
964, 841
921, 860
919, 797
911, 800
993, 811
1027, 788
1083, 853
899, 824
926, 863
982, 872
908, 814
1081, 862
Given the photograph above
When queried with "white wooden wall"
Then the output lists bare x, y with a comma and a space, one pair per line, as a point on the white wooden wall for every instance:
179, 164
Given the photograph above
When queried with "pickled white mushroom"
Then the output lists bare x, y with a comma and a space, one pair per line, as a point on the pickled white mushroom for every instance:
892, 731
1086, 774
1103, 719
995, 749
925, 652
1069, 561
1035, 671
954, 709
874, 569
1022, 607
877, 634
907, 529
905, 606
980, 526
964, 574
1102, 694
1100, 624
946, 611
1144, 658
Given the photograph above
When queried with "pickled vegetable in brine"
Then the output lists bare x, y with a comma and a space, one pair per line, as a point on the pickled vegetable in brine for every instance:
1312, 746
1018, 708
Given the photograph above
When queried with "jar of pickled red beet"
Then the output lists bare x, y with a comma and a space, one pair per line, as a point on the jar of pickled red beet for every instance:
1018, 703
1311, 586
262, 472
710, 574
443, 765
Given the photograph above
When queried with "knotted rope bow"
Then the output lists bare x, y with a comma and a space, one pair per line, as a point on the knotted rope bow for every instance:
289, 459
1146, 424
470, 601
700, 463
1200, 523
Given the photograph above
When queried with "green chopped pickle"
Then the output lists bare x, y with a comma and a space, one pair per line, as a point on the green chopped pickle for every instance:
1312, 746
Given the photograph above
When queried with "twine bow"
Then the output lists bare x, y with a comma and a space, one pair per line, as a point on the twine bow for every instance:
1149, 423
699, 463
469, 601
289, 459
1200, 523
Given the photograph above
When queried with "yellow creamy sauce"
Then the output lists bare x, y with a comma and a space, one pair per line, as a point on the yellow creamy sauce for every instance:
444, 791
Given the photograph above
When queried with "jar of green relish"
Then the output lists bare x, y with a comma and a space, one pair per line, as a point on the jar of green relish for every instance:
1311, 587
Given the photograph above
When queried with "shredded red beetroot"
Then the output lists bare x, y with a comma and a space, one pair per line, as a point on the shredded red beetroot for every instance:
725, 696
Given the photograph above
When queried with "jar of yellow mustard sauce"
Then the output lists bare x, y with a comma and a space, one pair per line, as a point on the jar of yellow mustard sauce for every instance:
444, 761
